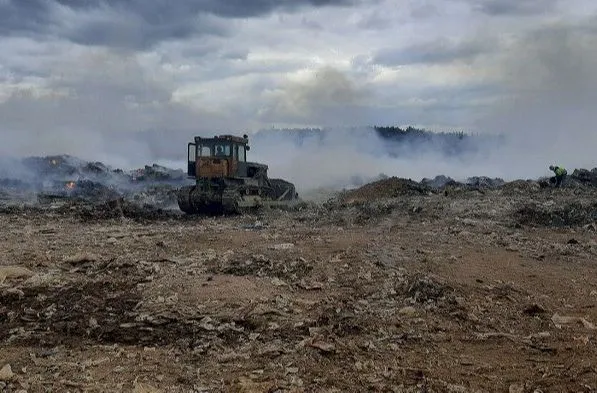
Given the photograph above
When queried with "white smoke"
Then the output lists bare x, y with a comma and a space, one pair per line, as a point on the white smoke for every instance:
548, 112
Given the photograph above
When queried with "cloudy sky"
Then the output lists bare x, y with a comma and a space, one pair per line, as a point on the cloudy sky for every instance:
87, 76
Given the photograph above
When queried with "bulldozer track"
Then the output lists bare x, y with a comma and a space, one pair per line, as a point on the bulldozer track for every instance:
230, 201
184, 199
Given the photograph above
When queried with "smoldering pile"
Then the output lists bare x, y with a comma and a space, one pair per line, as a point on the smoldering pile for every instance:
66, 183
390, 187
530, 202
54, 179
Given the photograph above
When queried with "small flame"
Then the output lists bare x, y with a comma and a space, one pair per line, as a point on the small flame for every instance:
70, 185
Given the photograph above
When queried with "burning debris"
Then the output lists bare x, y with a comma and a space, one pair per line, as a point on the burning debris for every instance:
60, 178
157, 173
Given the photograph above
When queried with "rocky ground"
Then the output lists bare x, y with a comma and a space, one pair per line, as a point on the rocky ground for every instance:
393, 287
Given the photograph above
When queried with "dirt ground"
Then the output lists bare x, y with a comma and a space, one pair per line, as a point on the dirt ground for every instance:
451, 292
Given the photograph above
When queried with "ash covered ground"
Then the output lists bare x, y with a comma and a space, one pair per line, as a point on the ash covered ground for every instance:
394, 286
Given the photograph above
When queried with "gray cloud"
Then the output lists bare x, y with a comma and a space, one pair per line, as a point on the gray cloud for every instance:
434, 52
113, 29
310, 24
514, 7
24, 17
423, 9
136, 24
375, 21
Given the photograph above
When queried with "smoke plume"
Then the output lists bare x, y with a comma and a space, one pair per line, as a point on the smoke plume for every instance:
547, 113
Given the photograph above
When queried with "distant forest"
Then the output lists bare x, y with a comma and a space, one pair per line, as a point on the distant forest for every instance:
385, 132
397, 141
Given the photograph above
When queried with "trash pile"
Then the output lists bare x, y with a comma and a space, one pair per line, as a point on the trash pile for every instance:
394, 186
485, 182
442, 182
585, 177
51, 179
564, 215
439, 181
91, 189
386, 188
157, 172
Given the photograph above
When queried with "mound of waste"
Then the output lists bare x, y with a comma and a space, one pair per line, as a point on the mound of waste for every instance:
157, 172
485, 182
386, 188
63, 177
394, 187
523, 186
41, 172
80, 189
563, 215
585, 176
440, 182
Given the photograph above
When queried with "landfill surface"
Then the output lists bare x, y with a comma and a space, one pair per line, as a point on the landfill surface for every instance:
396, 286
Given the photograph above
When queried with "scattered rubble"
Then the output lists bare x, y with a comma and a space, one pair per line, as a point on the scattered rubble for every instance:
395, 286
569, 214
6, 373
560, 320
8, 272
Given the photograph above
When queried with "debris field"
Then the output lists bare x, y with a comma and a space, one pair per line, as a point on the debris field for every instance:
398, 286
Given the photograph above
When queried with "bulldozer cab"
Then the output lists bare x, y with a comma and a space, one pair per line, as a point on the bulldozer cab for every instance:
220, 156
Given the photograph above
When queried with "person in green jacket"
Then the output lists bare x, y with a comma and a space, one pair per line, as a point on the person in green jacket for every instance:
560, 174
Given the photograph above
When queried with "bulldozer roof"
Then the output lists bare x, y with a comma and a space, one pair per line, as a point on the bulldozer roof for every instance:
231, 138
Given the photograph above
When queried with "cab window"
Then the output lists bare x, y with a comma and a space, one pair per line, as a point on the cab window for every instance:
205, 151
192, 152
222, 150
242, 155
